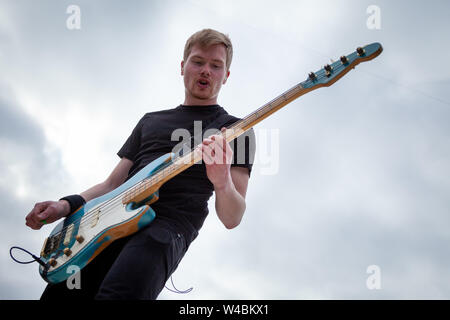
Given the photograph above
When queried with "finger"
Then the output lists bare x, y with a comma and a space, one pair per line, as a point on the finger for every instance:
208, 150
38, 207
45, 215
227, 156
218, 153
228, 153
217, 138
33, 216
29, 223
51, 214
208, 141
31, 219
32, 224
224, 150
206, 155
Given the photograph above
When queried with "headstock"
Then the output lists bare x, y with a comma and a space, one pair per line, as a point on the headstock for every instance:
330, 73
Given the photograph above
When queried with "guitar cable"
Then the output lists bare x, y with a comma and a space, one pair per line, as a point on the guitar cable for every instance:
35, 258
42, 263
176, 290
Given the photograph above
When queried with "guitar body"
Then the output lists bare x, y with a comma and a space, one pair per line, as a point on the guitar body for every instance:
80, 237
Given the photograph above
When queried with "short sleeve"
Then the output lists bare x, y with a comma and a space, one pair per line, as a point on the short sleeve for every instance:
132, 146
244, 148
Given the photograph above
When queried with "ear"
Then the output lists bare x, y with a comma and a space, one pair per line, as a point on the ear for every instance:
182, 68
226, 77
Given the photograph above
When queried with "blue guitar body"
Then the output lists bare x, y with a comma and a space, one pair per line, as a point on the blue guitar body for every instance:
80, 237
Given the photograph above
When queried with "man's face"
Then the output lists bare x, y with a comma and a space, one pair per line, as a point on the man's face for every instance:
204, 73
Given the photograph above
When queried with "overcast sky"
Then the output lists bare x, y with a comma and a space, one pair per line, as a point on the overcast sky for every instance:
346, 177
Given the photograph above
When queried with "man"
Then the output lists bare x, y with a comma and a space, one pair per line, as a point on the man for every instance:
138, 266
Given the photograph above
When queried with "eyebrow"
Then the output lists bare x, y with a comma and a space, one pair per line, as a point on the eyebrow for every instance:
200, 57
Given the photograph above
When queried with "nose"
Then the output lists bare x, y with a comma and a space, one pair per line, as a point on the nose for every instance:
205, 70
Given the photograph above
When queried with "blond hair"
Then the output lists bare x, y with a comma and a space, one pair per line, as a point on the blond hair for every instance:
206, 38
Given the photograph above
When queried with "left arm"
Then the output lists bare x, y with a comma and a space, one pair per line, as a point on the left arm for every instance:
230, 200
230, 184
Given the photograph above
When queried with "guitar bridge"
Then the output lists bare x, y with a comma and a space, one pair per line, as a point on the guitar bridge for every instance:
43, 254
50, 245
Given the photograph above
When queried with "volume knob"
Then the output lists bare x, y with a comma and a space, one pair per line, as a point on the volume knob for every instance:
67, 251
79, 238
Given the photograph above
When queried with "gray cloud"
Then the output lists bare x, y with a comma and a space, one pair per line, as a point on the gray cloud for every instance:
30, 173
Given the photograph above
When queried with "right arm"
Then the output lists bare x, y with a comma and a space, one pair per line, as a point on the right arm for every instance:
55, 210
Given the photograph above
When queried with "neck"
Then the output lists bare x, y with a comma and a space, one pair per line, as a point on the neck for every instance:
193, 101
199, 103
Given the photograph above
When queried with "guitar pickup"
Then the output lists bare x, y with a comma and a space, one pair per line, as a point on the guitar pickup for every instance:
68, 235
95, 218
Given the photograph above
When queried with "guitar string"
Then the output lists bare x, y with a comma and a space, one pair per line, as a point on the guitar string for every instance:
112, 203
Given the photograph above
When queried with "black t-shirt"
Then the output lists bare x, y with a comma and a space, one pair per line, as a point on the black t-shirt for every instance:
183, 199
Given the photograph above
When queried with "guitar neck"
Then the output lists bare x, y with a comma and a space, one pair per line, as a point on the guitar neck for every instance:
241, 126
181, 163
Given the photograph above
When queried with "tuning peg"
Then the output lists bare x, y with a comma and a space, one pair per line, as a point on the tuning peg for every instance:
360, 51
328, 69
312, 76
344, 60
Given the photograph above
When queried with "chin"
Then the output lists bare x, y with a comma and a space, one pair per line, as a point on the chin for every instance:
203, 96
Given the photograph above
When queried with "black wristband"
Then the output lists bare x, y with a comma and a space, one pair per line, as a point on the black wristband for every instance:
75, 201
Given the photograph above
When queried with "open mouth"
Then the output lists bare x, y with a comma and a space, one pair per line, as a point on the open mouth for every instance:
203, 83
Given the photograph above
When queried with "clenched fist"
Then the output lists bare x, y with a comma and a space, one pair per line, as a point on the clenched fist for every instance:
47, 212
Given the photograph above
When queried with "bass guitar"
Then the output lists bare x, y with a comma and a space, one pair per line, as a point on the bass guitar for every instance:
80, 237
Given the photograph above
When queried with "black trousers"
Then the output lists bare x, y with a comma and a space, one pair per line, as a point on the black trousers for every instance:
135, 267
